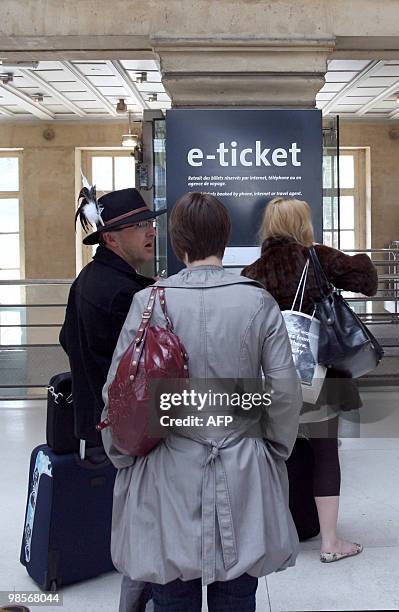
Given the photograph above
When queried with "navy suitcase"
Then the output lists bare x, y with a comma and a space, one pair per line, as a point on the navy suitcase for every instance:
67, 528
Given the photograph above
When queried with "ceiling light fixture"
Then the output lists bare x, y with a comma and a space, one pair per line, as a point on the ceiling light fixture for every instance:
129, 139
121, 107
141, 77
37, 98
6, 77
153, 97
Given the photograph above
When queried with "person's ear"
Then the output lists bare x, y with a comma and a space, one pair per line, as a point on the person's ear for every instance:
109, 239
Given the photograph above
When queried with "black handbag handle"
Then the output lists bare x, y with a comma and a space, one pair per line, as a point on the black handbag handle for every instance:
321, 278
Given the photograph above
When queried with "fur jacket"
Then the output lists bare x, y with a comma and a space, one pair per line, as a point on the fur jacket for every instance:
281, 263
279, 269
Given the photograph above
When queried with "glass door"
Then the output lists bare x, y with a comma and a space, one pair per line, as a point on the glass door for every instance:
344, 193
159, 165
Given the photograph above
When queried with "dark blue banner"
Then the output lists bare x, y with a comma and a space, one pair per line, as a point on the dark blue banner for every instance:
245, 158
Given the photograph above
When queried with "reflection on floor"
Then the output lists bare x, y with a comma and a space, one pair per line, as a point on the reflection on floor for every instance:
369, 514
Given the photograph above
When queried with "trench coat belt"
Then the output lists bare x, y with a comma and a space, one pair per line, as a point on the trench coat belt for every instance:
216, 505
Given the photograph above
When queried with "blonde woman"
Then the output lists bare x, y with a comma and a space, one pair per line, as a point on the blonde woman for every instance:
287, 234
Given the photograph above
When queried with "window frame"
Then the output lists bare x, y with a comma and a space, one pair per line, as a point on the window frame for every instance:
359, 193
19, 272
17, 195
83, 161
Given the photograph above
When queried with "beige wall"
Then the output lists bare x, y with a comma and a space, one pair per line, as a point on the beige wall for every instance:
48, 185
384, 175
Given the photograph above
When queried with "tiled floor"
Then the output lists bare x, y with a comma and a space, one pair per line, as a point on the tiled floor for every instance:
369, 514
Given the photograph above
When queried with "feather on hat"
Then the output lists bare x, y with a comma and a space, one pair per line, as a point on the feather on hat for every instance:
89, 211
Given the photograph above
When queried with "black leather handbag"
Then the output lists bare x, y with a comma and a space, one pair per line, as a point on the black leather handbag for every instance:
345, 343
60, 417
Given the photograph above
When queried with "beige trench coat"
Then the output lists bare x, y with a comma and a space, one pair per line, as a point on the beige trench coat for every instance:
211, 507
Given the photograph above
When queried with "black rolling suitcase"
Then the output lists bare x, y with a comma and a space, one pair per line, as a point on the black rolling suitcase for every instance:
67, 528
302, 503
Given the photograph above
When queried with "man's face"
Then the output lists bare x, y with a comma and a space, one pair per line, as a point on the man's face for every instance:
135, 244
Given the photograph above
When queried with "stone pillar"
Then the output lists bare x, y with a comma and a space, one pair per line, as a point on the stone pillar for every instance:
265, 73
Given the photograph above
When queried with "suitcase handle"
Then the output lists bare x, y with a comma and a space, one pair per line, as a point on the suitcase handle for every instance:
93, 459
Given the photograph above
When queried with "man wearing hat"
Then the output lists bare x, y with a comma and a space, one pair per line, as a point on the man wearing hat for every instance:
98, 303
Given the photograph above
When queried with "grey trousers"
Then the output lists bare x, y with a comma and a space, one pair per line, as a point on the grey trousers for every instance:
134, 596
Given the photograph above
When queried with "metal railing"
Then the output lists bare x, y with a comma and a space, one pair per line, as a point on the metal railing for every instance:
30, 352
31, 315
383, 308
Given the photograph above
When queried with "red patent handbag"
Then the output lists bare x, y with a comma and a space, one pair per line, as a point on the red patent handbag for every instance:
155, 353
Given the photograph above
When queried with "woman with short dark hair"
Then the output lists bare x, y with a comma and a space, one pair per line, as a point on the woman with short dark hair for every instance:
209, 505
199, 227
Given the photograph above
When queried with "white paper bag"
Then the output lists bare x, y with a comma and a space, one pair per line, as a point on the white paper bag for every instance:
303, 332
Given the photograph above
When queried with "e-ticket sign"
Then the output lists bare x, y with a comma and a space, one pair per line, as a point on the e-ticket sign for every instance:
245, 158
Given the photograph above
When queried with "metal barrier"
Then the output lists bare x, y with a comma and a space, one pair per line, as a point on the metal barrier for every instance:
32, 312
382, 308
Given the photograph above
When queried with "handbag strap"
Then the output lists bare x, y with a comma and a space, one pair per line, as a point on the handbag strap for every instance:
138, 342
162, 301
145, 321
302, 283
321, 278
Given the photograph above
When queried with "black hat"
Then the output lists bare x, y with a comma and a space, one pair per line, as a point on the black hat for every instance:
119, 208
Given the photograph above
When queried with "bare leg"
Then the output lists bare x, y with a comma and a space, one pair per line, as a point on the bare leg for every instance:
327, 509
326, 485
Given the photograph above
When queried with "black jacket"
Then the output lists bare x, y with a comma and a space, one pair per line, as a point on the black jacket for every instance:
98, 303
